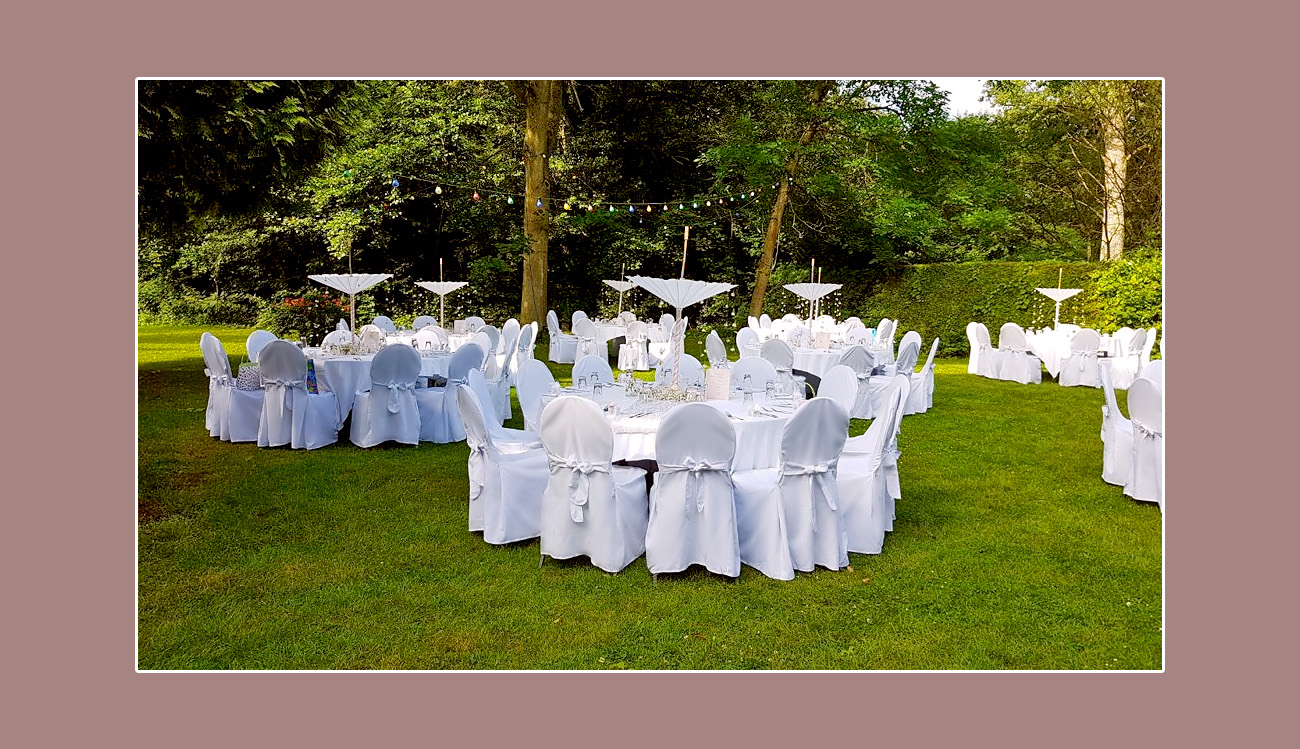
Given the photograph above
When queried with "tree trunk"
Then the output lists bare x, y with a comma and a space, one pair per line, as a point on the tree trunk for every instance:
764, 274
1114, 168
542, 102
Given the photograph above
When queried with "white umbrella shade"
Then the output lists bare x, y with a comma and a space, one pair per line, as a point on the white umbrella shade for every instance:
680, 292
811, 291
442, 289
621, 286
351, 284
1058, 295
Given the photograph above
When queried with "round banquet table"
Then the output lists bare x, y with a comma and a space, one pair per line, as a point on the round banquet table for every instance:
816, 361
758, 436
345, 375
1052, 347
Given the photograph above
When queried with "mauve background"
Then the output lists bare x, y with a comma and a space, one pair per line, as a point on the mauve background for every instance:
70, 526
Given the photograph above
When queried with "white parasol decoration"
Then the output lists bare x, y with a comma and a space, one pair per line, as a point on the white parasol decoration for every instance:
1058, 295
681, 292
351, 284
621, 286
812, 292
442, 289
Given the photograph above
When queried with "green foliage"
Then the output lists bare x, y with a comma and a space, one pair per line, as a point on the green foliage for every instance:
1129, 292
156, 304
310, 314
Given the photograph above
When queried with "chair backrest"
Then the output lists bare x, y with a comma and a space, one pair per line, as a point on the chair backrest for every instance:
857, 358
636, 331
1148, 345
214, 356
929, 360
798, 336
840, 384
1123, 339
982, 334
552, 323
778, 352
628, 317
1011, 337
534, 381
484, 342
476, 382
510, 331
422, 320
1154, 371
753, 322
715, 349
339, 337
910, 335
427, 337
1085, 341
573, 430
372, 335
1108, 388
282, 361
746, 337
657, 333
577, 315
477, 435
788, 317
525, 343
473, 323
760, 371
907, 356
853, 323
1136, 343
695, 433
691, 374
395, 364
342, 325
892, 413
593, 367
666, 320
467, 357
256, 340
972, 335
815, 434
1146, 405
764, 321
383, 323
494, 337
583, 327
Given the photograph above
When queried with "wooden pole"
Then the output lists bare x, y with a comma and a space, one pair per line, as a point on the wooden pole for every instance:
685, 238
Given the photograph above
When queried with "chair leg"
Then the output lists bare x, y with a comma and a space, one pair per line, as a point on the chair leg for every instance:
540, 558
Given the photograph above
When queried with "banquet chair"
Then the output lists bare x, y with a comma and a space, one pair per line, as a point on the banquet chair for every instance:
503, 366
691, 374
921, 395
493, 344
1123, 339
383, 323
1146, 413
858, 358
1148, 347
777, 351
634, 354
422, 320
439, 413
508, 347
483, 340
342, 325
1116, 434
1127, 365
764, 322
715, 350
988, 356
666, 321
753, 322
1015, 362
863, 480
372, 337
692, 503
290, 414
507, 436
910, 335
577, 315
220, 383
387, 410
882, 347
591, 368
238, 412
1154, 371
426, 338
657, 343
865, 442
339, 337
759, 370
1080, 367
590, 507
527, 342
256, 340
474, 323
788, 517
562, 347
879, 386
973, 366
628, 317
506, 484
840, 384
746, 337
585, 331
535, 380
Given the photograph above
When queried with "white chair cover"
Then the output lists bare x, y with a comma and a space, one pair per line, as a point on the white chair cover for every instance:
585, 330
527, 340
577, 315
342, 325
865, 443
510, 439
715, 349
692, 505
426, 338
1116, 434
840, 384
474, 323
910, 335
387, 410
746, 337
627, 317
863, 476
220, 382
1080, 367
1146, 410
1154, 371
591, 368
691, 375
973, 367
1123, 339
788, 518
1147, 346
760, 372
505, 486
921, 395
535, 380
383, 323
634, 354
493, 340
590, 507
1128, 363
666, 321
372, 336
1015, 363
882, 349
290, 414
339, 337
987, 356
778, 352
858, 358
422, 321
764, 321
753, 322
256, 340
439, 413
562, 348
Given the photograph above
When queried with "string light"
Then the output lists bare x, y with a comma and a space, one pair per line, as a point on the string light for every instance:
394, 183
438, 189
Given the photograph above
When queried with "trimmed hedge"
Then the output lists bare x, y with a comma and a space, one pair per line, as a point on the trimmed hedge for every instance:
940, 299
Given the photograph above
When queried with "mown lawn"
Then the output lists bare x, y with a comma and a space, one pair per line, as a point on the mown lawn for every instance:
1009, 552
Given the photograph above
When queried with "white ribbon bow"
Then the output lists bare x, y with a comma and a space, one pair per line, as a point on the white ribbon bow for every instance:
477, 458
394, 388
289, 385
579, 482
693, 468
822, 479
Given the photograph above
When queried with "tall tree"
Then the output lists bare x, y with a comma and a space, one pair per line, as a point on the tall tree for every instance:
544, 105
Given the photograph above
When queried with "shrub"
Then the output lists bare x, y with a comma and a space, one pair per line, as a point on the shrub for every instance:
1129, 291
156, 303
311, 314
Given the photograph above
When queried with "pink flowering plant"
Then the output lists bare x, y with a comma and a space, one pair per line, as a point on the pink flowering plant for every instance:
311, 314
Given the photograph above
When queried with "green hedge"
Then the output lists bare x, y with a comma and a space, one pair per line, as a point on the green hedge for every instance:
940, 299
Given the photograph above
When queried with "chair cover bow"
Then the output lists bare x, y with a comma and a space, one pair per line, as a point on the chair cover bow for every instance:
394, 389
823, 480
693, 468
477, 458
291, 385
579, 482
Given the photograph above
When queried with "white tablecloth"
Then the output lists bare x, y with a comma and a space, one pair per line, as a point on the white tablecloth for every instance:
1052, 347
344, 375
816, 361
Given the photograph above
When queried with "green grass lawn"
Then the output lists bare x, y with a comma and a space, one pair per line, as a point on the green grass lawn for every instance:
1008, 552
